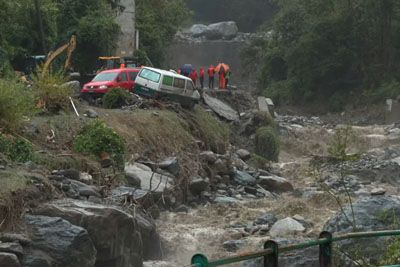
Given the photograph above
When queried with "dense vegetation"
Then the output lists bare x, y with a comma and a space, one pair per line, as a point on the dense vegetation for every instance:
158, 21
92, 21
330, 51
248, 14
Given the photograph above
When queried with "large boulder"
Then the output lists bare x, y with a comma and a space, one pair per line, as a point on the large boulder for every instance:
198, 30
286, 227
275, 183
226, 30
115, 233
370, 214
9, 260
244, 178
149, 180
56, 242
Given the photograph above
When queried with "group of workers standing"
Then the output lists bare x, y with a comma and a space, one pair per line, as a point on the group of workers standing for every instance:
223, 75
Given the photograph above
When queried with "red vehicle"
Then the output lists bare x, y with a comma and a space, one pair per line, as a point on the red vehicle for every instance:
105, 80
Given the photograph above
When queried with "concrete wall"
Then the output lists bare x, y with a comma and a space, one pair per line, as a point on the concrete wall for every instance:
205, 53
126, 20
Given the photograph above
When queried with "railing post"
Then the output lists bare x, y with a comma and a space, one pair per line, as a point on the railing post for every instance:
199, 260
325, 250
271, 260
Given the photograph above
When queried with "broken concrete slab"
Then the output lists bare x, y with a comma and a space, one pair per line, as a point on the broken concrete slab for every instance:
220, 108
266, 105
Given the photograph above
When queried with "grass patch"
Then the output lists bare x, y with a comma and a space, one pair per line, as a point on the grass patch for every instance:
214, 133
16, 149
16, 102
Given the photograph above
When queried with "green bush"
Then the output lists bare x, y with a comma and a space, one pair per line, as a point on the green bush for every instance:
96, 138
16, 149
267, 143
263, 119
16, 102
214, 133
51, 96
116, 98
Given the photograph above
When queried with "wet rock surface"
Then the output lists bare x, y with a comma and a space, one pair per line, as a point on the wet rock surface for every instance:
57, 242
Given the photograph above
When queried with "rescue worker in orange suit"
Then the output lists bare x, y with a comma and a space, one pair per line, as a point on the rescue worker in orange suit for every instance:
193, 75
211, 73
202, 77
221, 78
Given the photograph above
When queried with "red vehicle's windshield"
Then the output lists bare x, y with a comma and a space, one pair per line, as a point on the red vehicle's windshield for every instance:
105, 77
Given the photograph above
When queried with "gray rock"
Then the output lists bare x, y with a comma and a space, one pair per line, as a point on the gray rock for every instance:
243, 154
208, 156
233, 245
371, 214
223, 30
113, 231
198, 185
275, 184
267, 218
378, 192
251, 190
182, 208
171, 165
9, 260
122, 192
149, 180
83, 189
59, 243
75, 86
198, 30
133, 180
12, 237
286, 227
91, 113
69, 173
226, 200
14, 248
221, 167
243, 178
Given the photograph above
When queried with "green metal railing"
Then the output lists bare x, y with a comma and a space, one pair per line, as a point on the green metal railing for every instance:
271, 250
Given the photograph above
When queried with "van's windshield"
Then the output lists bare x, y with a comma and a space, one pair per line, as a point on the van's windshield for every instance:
150, 75
105, 77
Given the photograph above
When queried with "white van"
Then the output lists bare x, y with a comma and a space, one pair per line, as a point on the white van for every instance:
157, 83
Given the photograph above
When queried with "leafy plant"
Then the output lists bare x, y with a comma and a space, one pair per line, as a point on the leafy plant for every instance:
263, 119
116, 98
96, 138
339, 146
51, 96
16, 102
16, 149
267, 143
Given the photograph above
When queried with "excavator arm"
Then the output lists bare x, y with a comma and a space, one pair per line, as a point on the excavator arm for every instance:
69, 47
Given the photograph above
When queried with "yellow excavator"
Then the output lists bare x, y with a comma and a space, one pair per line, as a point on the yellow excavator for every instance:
69, 48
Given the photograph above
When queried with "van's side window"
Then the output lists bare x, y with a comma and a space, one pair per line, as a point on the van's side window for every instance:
189, 85
150, 75
180, 83
133, 75
124, 77
168, 80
